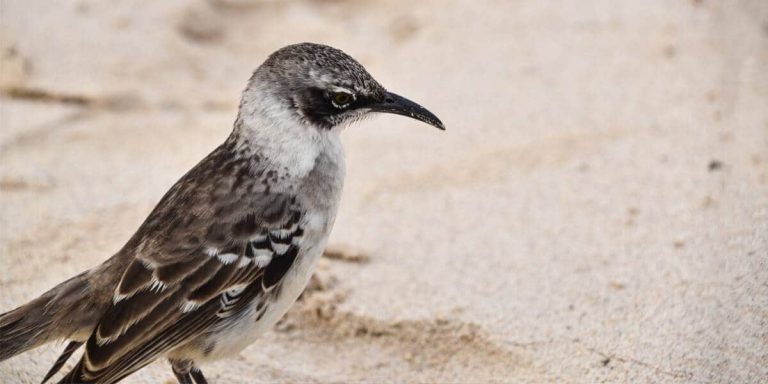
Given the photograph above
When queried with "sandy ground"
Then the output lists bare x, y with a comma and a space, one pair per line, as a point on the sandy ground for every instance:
597, 210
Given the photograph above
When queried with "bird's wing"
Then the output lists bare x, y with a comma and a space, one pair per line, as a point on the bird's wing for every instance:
186, 276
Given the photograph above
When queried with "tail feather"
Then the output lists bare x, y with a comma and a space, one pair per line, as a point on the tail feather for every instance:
24, 328
52, 316
68, 351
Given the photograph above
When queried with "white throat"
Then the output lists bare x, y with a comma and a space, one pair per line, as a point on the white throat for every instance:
289, 144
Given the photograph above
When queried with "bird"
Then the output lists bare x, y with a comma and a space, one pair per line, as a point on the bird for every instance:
231, 246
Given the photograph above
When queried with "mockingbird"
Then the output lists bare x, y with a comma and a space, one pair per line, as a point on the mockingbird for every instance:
231, 245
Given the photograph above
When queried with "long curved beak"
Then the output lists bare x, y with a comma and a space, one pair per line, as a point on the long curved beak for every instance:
399, 105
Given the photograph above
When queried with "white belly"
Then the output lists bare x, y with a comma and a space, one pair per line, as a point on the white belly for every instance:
240, 331
322, 191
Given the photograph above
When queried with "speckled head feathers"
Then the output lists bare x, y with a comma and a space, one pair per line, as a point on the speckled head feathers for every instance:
321, 65
324, 87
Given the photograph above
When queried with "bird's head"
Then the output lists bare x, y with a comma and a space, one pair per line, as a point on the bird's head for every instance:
323, 87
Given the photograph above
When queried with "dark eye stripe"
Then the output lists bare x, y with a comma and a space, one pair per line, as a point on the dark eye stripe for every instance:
319, 106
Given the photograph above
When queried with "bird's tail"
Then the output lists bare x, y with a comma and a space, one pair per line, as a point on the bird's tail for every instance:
50, 317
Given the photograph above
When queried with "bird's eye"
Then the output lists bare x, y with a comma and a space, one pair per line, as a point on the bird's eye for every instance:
341, 99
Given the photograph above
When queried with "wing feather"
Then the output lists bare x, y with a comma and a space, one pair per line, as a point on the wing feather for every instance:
127, 312
164, 301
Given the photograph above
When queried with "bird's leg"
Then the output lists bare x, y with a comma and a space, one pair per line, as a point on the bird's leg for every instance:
183, 379
197, 375
181, 369
187, 373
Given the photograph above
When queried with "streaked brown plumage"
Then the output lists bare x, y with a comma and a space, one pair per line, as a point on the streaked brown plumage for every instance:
231, 245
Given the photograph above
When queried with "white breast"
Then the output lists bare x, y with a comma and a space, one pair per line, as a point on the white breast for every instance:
241, 331
319, 194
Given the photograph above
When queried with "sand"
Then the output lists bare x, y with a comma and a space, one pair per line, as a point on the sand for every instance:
597, 210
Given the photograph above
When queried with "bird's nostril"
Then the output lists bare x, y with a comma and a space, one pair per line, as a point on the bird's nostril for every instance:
389, 100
